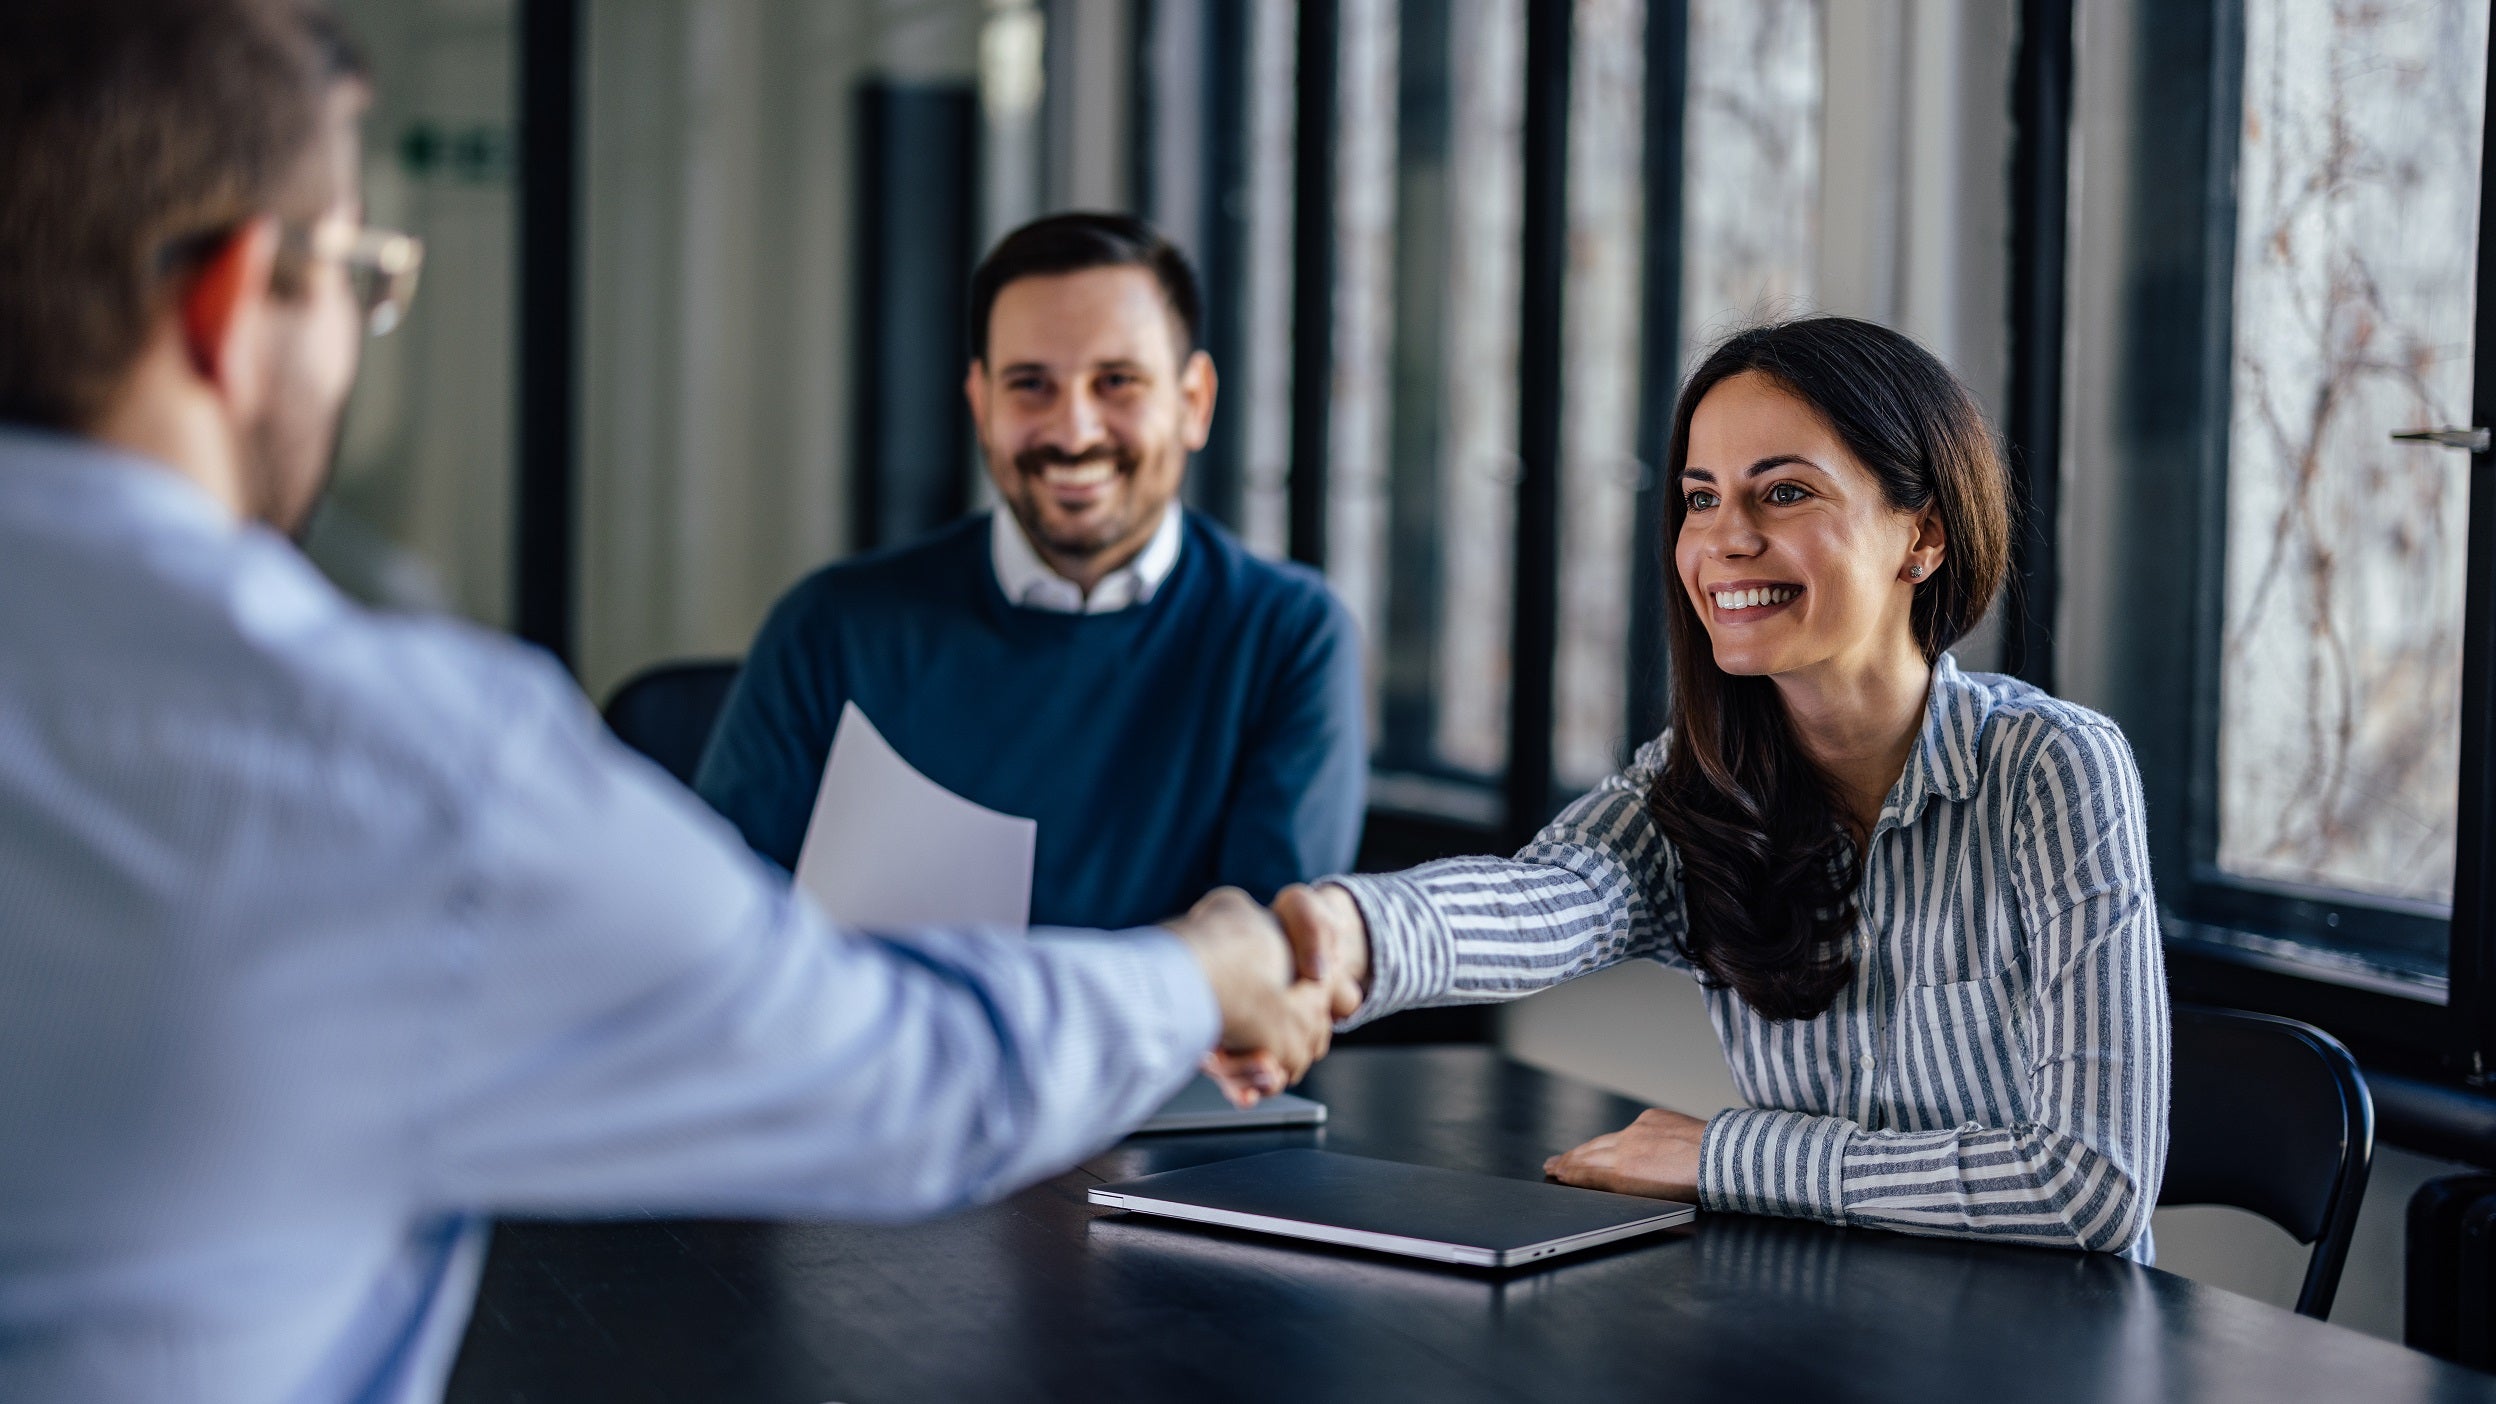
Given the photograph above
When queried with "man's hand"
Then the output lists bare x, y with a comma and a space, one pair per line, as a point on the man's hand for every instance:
1330, 953
1273, 1027
1329, 942
1657, 1156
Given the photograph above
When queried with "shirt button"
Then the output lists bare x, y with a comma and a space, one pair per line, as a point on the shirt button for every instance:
1864, 1062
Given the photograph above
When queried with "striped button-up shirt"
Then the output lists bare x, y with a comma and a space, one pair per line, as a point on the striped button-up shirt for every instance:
1998, 1066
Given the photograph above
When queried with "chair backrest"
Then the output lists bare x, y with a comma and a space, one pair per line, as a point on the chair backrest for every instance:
667, 712
2272, 1116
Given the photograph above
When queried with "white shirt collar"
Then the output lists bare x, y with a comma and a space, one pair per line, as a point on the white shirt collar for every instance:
1028, 581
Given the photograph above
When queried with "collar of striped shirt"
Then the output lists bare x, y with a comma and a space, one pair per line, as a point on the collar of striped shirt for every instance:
1946, 761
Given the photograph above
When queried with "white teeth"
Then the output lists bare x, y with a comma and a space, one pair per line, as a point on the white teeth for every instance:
1754, 599
1083, 475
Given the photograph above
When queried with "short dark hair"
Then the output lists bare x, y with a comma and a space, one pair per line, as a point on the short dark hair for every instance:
1080, 240
133, 134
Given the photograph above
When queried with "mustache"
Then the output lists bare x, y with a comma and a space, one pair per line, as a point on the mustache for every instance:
1031, 462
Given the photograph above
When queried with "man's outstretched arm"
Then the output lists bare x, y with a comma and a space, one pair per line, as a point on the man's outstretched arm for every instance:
638, 1015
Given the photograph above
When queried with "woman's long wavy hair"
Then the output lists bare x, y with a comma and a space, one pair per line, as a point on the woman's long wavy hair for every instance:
1769, 866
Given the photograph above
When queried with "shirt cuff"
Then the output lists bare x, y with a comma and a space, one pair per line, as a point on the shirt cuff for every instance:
1412, 953
1785, 1163
1166, 979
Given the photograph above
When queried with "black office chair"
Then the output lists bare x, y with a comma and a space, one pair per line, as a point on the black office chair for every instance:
2272, 1116
667, 712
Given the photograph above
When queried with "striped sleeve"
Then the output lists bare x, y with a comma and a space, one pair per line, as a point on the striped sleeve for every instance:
2081, 1168
1596, 887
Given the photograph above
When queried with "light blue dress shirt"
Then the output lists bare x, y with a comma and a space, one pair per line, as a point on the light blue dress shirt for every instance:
325, 934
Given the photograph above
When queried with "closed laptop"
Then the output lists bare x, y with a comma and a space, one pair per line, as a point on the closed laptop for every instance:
1416, 1211
1201, 1106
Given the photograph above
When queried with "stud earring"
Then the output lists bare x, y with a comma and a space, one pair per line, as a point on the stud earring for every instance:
1915, 572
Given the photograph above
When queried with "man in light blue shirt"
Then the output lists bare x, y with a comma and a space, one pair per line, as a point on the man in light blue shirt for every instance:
323, 934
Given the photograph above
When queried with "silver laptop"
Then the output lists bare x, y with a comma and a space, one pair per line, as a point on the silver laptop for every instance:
1417, 1211
1200, 1106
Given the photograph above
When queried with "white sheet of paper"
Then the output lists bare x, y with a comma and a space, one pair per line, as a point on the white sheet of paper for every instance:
888, 847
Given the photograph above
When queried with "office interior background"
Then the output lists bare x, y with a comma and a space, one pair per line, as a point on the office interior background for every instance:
693, 328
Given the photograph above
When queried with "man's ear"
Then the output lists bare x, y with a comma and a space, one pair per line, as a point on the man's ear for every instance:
225, 313
975, 389
1197, 387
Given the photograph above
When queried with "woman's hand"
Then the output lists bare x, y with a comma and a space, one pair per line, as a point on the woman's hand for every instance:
1273, 1025
1329, 941
1657, 1156
1330, 949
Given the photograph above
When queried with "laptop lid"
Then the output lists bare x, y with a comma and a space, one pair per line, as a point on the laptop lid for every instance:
1418, 1211
1200, 1106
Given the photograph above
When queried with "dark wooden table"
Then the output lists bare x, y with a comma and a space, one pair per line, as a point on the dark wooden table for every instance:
1046, 1297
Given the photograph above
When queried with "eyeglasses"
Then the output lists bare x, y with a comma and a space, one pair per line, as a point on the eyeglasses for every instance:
381, 266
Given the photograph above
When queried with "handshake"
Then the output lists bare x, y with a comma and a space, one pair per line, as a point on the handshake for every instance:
1282, 977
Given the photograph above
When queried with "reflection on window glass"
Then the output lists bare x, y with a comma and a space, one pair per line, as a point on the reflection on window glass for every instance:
1474, 374
1422, 474
1364, 249
420, 513
1600, 470
2358, 194
1266, 398
1751, 164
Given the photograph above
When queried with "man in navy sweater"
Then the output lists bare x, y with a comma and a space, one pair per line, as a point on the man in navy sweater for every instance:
1175, 713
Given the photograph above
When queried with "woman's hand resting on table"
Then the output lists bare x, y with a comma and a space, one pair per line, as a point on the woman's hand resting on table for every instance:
1657, 1156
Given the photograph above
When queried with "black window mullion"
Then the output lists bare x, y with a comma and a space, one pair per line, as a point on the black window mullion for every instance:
1549, 34
1318, 102
2040, 212
2473, 935
1145, 20
1229, 68
1659, 364
546, 476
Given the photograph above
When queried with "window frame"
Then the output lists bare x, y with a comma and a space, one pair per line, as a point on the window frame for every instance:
1432, 809
2315, 954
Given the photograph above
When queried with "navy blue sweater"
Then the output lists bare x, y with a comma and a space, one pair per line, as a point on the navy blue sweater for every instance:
1212, 735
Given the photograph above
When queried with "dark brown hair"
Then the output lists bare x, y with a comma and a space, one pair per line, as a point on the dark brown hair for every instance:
1768, 866
1074, 242
133, 135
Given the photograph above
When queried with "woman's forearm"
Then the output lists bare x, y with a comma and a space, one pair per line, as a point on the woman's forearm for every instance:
2028, 1184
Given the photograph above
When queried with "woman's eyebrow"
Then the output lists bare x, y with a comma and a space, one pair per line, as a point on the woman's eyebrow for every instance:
1773, 461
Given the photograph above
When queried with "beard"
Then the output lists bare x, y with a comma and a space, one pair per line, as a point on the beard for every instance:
1088, 538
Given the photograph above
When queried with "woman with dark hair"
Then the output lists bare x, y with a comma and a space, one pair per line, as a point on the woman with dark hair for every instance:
1918, 899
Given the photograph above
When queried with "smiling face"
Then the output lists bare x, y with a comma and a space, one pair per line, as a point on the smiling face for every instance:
1086, 413
1788, 550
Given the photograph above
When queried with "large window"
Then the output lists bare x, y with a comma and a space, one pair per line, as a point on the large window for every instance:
1421, 480
1425, 407
2274, 273
419, 515
2357, 198
1752, 154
